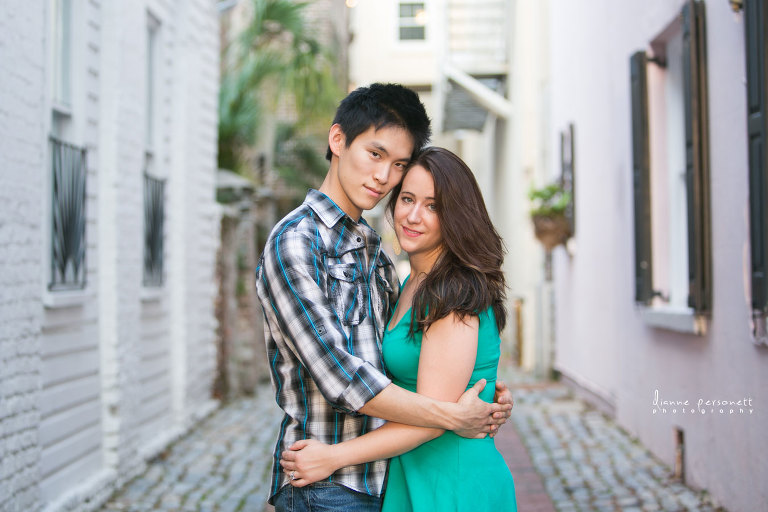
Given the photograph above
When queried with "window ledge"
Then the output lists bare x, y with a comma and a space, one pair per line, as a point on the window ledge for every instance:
66, 298
760, 330
675, 319
152, 294
61, 109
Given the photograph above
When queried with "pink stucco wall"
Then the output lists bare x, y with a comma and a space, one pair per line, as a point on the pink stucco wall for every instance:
603, 341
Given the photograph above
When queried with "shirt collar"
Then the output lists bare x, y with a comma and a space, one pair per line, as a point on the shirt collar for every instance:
328, 211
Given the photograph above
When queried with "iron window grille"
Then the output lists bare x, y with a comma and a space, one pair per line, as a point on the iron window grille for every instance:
154, 220
68, 244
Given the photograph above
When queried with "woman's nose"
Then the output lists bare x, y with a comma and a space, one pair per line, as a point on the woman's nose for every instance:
414, 216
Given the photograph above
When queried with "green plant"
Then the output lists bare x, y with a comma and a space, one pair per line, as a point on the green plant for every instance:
550, 200
300, 158
274, 61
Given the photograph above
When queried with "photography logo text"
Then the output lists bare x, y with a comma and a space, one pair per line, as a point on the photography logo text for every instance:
702, 405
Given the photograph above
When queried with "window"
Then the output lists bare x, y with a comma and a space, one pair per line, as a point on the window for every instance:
67, 164
61, 41
154, 187
755, 25
412, 21
68, 247
671, 167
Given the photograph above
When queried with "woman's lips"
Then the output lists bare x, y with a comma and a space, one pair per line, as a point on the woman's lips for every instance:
410, 232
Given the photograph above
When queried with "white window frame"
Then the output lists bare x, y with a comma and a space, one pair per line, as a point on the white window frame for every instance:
669, 225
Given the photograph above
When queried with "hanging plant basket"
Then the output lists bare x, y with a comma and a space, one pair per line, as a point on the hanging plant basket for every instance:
551, 230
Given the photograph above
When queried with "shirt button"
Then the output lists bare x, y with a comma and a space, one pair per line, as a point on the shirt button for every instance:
359, 239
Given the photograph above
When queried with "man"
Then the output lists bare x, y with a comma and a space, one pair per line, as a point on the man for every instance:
327, 290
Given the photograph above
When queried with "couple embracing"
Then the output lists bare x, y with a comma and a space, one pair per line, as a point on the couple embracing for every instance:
367, 370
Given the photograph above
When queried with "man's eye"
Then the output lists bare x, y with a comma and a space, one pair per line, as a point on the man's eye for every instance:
375, 154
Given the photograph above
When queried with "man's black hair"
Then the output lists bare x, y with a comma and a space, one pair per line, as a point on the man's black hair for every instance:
381, 105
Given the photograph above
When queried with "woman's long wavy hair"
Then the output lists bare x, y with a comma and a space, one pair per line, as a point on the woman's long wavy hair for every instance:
467, 278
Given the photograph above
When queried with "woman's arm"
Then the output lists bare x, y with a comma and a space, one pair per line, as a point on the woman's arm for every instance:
446, 361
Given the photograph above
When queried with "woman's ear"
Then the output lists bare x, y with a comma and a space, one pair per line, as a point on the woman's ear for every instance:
336, 139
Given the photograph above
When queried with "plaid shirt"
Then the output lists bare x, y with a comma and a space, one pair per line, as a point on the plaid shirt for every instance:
326, 289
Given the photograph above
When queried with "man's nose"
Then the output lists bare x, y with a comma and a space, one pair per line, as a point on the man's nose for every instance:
381, 174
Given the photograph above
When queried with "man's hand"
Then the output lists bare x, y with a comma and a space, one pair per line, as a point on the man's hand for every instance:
502, 396
477, 418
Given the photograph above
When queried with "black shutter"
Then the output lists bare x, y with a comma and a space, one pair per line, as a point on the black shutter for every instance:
755, 24
697, 158
567, 175
641, 178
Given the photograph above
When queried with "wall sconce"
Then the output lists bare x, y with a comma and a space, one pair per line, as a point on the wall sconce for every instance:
736, 5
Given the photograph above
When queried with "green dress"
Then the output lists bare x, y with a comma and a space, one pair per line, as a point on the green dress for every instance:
449, 473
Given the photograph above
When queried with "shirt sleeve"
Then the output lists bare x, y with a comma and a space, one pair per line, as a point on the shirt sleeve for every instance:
294, 279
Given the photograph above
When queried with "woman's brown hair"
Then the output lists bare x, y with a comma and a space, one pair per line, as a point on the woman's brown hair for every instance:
467, 277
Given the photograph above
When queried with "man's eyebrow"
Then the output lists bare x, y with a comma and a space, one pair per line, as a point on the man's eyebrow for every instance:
381, 149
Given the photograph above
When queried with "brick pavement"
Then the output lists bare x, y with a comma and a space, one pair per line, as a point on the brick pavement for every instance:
563, 456
585, 461
224, 465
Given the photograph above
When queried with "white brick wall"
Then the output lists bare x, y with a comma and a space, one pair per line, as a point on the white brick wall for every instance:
22, 59
92, 386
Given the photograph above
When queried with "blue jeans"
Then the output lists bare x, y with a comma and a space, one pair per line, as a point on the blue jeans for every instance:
322, 497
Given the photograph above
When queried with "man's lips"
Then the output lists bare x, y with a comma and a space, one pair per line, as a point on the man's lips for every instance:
410, 232
373, 191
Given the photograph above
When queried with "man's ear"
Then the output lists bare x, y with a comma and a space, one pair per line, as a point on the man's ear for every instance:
336, 139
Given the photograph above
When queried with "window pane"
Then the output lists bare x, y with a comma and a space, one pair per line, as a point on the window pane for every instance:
411, 33
410, 10
61, 49
151, 57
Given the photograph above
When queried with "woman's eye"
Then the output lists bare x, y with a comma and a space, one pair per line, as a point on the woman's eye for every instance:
432, 207
406, 200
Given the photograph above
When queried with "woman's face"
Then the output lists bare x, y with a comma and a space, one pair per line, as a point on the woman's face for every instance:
416, 224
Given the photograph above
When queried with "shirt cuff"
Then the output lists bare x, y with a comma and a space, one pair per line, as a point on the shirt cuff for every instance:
366, 383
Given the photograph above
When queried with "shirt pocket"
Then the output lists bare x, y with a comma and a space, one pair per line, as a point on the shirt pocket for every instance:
346, 286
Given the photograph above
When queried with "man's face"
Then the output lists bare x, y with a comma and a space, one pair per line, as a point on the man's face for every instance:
370, 167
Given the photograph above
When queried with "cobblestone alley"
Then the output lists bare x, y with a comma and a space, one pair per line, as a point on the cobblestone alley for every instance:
563, 455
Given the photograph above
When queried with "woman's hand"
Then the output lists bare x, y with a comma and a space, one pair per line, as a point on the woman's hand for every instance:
308, 461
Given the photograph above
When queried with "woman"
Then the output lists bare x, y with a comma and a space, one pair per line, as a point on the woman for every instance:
442, 338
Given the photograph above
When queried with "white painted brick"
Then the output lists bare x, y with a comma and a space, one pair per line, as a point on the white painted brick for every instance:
191, 35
